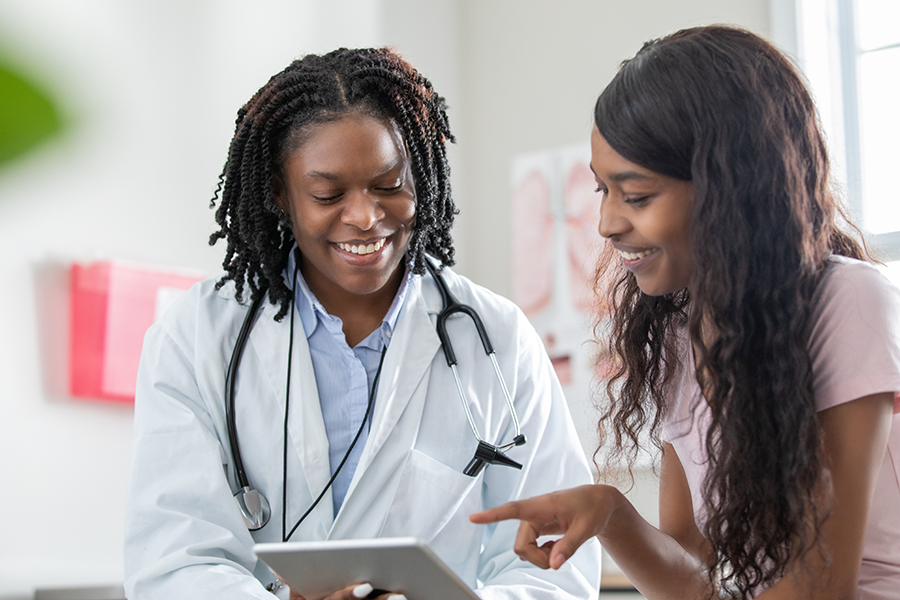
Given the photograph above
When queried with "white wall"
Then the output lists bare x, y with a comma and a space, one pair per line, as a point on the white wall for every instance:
152, 87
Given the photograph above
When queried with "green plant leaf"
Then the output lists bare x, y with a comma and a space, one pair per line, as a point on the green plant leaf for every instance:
28, 116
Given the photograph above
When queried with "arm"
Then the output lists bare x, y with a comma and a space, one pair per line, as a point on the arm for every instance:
855, 439
662, 563
183, 530
668, 562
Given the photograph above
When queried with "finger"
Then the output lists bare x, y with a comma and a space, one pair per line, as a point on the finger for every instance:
525, 546
504, 512
563, 548
356, 591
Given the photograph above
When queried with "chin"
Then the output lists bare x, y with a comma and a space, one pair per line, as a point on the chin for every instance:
653, 290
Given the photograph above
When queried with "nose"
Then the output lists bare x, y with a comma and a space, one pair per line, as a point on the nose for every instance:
361, 210
612, 222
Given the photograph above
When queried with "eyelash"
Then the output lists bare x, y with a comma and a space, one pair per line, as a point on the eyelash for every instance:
639, 200
330, 199
327, 200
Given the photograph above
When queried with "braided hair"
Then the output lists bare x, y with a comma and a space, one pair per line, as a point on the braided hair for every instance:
312, 90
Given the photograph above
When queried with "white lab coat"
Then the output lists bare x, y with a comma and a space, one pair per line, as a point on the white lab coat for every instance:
184, 534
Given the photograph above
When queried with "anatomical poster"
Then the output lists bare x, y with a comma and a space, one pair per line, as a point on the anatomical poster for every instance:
555, 215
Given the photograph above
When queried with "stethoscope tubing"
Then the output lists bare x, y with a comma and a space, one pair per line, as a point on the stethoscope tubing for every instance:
452, 306
485, 454
230, 385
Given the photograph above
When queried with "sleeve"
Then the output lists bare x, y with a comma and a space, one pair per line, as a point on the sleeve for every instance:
855, 338
554, 460
184, 538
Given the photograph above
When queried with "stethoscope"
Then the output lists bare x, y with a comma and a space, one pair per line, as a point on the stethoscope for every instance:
253, 505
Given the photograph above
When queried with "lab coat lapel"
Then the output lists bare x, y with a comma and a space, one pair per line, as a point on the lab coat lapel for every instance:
306, 426
406, 363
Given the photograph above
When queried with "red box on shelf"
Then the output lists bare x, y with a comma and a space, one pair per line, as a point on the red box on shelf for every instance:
112, 305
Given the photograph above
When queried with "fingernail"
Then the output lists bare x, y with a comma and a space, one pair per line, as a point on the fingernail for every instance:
362, 590
396, 597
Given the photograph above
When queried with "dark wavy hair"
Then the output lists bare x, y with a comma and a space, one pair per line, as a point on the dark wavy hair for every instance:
312, 90
722, 108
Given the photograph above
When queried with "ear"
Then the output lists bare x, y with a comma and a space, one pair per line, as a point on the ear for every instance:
279, 191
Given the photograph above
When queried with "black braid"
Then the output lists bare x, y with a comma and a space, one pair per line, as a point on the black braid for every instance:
316, 89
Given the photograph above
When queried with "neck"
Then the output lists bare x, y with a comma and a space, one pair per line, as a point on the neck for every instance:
361, 314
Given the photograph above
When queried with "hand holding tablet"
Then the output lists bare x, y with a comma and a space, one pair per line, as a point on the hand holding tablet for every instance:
363, 591
401, 565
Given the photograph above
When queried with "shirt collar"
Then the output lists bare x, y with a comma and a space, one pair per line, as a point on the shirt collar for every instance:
312, 312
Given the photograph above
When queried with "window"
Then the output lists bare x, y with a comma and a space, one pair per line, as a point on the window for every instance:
849, 51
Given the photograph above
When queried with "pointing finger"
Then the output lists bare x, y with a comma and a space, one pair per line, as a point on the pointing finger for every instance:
504, 512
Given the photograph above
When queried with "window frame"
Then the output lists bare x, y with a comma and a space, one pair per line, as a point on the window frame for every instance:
837, 94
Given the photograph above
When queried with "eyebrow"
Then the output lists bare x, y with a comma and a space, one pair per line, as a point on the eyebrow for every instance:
624, 176
322, 175
386, 168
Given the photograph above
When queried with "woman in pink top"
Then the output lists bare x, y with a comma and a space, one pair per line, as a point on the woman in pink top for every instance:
753, 341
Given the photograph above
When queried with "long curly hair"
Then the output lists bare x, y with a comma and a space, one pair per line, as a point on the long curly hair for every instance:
312, 90
722, 108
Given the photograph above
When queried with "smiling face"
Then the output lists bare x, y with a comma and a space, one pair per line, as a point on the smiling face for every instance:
646, 216
349, 191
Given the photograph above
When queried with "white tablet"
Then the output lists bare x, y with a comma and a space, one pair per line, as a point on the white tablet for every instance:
403, 565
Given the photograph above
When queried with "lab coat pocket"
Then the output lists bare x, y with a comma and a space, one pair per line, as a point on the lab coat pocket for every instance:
433, 503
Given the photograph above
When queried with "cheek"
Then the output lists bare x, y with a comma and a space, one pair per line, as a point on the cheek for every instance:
306, 228
406, 212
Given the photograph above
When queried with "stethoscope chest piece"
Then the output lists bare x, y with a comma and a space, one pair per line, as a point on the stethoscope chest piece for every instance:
254, 508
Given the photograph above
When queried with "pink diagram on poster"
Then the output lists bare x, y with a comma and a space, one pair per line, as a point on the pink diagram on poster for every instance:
532, 238
582, 218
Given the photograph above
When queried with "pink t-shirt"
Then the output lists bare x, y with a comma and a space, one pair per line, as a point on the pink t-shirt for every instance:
855, 349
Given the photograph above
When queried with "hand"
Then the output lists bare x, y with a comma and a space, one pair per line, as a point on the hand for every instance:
355, 592
578, 514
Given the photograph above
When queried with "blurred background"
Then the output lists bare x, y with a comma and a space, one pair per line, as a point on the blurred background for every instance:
115, 116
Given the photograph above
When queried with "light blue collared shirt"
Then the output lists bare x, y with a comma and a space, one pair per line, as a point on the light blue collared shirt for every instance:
344, 375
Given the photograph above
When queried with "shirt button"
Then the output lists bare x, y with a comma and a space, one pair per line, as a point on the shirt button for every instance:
388, 332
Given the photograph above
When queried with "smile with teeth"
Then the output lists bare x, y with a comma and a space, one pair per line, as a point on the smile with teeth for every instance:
636, 255
362, 248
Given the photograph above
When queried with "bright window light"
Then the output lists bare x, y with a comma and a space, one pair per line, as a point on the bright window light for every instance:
849, 51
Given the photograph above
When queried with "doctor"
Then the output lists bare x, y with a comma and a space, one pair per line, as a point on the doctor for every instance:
335, 189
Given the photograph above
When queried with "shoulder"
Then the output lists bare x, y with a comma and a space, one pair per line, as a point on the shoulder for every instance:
843, 272
855, 333
858, 291
480, 297
203, 311
505, 322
